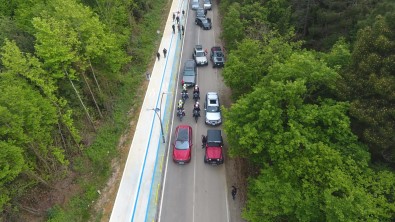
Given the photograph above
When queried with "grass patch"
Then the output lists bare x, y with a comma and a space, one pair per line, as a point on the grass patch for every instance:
94, 165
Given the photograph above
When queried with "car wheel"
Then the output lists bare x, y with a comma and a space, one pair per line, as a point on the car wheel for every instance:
196, 22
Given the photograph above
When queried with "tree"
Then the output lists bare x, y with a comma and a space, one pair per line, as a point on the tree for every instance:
252, 59
369, 85
26, 67
12, 162
233, 27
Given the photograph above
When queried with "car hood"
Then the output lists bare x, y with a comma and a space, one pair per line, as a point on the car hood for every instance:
201, 59
181, 155
188, 79
218, 59
213, 152
206, 25
213, 116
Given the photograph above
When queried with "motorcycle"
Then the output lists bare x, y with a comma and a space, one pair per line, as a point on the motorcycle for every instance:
184, 96
196, 114
180, 114
196, 96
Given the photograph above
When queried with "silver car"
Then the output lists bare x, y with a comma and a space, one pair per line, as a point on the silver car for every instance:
194, 4
207, 4
212, 108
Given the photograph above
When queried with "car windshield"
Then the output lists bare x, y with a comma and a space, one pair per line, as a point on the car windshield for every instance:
213, 144
218, 54
200, 54
182, 141
189, 73
212, 108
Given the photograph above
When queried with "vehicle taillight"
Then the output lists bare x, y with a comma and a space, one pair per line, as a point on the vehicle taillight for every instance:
182, 82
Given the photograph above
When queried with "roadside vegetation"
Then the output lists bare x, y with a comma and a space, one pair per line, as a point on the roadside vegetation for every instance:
70, 72
313, 86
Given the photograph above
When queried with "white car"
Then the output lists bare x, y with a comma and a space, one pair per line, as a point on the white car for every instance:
200, 56
194, 4
212, 108
207, 4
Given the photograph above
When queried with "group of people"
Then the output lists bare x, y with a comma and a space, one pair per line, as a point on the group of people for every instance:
184, 92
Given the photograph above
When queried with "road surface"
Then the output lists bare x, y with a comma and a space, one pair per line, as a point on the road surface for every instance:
196, 191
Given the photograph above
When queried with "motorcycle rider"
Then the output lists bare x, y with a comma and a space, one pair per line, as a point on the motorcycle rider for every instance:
184, 88
184, 93
181, 111
197, 108
196, 89
180, 104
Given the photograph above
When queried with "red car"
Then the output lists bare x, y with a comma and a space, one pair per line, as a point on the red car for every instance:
182, 147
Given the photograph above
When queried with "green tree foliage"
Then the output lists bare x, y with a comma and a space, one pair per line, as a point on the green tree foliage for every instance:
12, 161
370, 86
250, 62
28, 123
314, 169
10, 30
321, 23
233, 27
339, 57
320, 79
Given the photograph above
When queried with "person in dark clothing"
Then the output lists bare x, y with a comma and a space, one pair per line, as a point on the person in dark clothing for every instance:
178, 19
174, 28
174, 16
234, 192
158, 55
204, 141
182, 28
164, 52
183, 12
178, 28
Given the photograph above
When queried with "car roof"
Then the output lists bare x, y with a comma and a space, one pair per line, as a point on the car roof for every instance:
183, 133
216, 48
214, 136
212, 95
190, 63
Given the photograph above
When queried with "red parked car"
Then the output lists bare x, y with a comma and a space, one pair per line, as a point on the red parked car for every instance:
182, 147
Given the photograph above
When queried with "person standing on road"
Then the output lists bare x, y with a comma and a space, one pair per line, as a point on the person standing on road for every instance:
204, 141
234, 192
178, 28
164, 52
183, 13
182, 28
174, 16
158, 55
174, 28
178, 19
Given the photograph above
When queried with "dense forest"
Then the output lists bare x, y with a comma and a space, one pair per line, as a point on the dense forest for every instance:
69, 74
313, 84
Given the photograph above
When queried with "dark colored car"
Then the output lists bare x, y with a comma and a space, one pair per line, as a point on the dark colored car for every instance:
213, 154
182, 147
189, 73
201, 13
217, 56
205, 23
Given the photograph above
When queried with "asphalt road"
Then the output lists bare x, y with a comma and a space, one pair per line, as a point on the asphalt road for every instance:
196, 191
